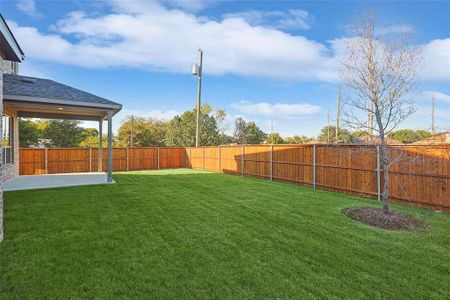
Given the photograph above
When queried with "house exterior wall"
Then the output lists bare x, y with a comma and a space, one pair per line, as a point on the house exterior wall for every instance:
1, 159
9, 67
12, 170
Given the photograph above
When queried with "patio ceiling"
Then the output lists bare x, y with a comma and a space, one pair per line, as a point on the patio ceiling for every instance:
43, 98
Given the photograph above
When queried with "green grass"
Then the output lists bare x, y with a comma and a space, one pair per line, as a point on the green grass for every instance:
186, 234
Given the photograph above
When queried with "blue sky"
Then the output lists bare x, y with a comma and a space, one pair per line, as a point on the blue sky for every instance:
263, 60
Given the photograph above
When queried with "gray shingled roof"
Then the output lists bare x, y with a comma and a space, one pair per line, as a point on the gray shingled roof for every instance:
16, 86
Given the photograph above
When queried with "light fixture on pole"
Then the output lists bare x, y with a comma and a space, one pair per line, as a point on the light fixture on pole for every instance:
197, 71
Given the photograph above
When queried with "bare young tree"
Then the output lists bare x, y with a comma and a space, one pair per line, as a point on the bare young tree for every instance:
380, 71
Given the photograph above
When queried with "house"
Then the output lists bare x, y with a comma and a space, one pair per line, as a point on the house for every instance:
440, 138
375, 140
23, 96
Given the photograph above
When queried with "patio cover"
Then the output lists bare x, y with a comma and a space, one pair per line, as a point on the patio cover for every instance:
43, 98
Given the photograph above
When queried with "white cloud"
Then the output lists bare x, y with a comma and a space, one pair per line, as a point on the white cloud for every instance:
29, 8
395, 29
147, 35
189, 5
437, 60
291, 19
279, 110
438, 96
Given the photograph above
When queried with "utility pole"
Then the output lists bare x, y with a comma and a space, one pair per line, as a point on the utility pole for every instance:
131, 133
338, 113
271, 126
433, 129
197, 71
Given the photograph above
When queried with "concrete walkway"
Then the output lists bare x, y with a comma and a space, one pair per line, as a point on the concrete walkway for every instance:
29, 182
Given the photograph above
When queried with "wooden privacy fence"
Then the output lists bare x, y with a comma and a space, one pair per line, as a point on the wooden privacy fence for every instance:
73, 160
419, 175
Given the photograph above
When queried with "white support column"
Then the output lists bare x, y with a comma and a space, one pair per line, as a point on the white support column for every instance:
100, 146
109, 178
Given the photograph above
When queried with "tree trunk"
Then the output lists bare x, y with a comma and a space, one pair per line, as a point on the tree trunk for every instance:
385, 162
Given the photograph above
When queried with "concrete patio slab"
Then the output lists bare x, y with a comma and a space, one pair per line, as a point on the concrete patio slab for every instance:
28, 182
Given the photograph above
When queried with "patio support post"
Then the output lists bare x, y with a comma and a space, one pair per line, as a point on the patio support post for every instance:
314, 167
109, 178
100, 146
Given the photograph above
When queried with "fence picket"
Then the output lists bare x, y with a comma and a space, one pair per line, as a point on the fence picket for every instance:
420, 175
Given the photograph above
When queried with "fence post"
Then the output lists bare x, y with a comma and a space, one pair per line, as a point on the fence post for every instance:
190, 156
46, 160
271, 161
203, 154
243, 160
90, 159
220, 159
378, 174
158, 157
314, 166
128, 159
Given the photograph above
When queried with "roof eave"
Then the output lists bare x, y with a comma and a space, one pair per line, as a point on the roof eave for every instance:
11, 41
113, 107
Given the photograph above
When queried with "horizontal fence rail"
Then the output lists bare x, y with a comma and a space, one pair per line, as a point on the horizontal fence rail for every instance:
419, 175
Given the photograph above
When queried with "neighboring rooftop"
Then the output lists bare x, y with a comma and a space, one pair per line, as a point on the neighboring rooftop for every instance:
30, 89
440, 138
375, 139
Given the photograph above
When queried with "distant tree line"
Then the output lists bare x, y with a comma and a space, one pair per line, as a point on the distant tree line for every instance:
55, 133
180, 131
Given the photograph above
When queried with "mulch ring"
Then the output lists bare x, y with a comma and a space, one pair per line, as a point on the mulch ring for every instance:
394, 221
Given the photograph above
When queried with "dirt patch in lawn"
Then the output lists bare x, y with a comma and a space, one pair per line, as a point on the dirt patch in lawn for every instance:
376, 217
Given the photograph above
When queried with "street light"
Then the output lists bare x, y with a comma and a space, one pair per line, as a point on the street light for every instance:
197, 71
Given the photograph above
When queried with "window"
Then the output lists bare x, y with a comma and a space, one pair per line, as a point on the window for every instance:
7, 140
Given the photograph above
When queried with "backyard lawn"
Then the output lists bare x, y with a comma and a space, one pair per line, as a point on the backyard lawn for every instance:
190, 234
